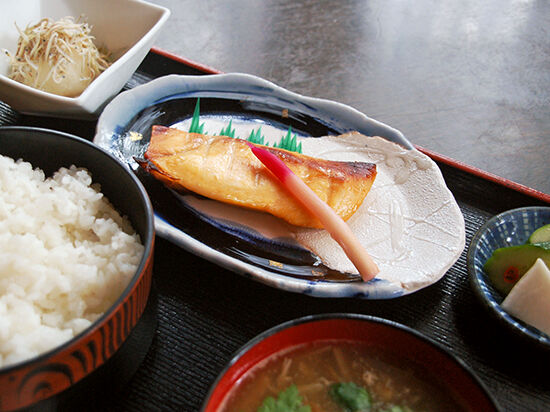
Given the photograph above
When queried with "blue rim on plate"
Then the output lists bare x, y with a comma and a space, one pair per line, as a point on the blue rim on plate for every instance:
170, 100
509, 228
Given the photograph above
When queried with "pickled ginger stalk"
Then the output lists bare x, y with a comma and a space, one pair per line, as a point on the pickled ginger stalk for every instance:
334, 224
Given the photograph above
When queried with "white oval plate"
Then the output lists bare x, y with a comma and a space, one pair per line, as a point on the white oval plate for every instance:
416, 227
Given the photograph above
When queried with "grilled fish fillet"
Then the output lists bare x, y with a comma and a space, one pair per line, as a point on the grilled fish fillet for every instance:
225, 169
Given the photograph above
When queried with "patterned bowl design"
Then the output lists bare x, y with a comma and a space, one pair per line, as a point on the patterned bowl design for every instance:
509, 228
50, 374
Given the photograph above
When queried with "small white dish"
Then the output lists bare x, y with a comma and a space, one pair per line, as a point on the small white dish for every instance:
127, 28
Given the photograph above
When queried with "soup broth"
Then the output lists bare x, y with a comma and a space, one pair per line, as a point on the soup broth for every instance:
314, 369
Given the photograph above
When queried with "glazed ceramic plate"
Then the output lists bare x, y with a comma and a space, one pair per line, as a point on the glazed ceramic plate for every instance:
509, 228
414, 226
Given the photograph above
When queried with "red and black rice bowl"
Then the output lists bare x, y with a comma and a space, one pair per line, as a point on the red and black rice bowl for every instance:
101, 352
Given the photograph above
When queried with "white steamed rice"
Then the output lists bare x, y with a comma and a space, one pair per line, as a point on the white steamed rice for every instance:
65, 256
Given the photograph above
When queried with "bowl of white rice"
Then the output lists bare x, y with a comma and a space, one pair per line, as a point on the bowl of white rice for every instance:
76, 247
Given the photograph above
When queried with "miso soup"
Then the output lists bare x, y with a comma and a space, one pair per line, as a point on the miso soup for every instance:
327, 375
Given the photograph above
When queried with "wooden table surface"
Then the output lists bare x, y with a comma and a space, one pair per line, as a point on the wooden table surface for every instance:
466, 79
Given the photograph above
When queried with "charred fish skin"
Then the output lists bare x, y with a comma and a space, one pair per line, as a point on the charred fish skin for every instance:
224, 169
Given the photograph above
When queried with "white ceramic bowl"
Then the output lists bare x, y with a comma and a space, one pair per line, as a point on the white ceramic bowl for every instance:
127, 28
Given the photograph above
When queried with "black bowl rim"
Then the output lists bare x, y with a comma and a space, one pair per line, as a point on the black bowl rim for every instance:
497, 312
346, 316
148, 243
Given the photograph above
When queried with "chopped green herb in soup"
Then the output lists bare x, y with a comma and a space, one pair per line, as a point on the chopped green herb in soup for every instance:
338, 377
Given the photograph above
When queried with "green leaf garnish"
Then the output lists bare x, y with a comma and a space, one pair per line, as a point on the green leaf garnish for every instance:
288, 400
228, 131
351, 397
195, 126
287, 142
256, 136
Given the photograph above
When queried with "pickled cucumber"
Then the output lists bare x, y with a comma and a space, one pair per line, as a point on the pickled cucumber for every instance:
541, 235
508, 264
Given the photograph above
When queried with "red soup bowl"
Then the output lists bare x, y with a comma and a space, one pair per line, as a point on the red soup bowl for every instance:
426, 358
108, 352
